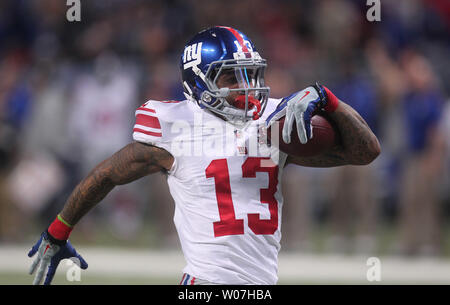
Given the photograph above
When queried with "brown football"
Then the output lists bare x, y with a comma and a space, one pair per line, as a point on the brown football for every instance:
325, 136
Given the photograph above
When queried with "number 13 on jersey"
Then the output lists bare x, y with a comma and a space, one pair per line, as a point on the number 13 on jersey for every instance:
228, 224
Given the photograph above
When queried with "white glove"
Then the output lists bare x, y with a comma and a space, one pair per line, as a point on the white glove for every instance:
299, 107
45, 253
50, 252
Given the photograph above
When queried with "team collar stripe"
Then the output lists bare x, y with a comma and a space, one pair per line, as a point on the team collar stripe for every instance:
169, 102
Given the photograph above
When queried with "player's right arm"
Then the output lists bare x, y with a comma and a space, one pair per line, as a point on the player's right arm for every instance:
132, 162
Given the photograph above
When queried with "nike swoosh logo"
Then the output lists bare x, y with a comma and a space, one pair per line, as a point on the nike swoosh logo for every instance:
46, 248
306, 93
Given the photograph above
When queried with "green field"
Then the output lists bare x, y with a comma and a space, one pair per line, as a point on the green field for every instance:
7, 278
135, 263
14, 278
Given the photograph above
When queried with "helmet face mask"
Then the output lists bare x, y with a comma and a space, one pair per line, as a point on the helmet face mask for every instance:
227, 76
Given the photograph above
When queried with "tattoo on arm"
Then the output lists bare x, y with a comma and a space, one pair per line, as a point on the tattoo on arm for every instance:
333, 157
132, 162
359, 144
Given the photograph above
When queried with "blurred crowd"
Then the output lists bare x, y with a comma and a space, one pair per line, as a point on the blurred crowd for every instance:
68, 91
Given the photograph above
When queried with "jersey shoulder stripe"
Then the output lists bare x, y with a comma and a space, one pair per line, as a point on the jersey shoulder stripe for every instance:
147, 132
147, 121
154, 120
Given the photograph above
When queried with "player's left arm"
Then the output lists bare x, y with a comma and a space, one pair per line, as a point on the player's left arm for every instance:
358, 145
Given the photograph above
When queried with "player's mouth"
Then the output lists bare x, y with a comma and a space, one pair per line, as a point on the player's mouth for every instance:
239, 102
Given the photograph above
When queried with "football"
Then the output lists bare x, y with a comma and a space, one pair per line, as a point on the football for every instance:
325, 136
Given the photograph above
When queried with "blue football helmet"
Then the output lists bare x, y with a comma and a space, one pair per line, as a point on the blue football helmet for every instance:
219, 52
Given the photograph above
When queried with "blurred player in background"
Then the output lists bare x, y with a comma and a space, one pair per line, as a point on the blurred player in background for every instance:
424, 155
413, 91
353, 206
227, 206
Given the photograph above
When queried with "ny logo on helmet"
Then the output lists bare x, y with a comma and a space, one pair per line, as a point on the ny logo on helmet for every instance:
192, 55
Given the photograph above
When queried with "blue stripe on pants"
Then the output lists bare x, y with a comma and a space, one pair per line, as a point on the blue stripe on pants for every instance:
186, 280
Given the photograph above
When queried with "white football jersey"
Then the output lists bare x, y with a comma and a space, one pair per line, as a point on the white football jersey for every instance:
226, 188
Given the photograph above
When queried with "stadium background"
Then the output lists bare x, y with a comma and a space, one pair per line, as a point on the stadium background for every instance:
68, 91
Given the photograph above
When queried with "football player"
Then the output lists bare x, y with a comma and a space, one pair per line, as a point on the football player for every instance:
228, 200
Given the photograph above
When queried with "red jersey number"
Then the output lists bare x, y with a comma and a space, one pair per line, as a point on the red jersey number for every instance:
228, 224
